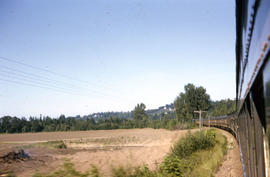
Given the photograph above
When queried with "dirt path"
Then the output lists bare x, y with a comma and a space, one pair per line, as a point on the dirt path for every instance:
231, 166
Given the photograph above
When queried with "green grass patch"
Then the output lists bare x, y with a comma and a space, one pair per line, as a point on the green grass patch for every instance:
7, 173
68, 170
48, 144
212, 158
196, 155
110, 140
139, 171
194, 142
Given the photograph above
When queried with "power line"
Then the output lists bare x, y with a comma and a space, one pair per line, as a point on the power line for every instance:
48, 85
30, 80
52, 72
62, 75
33, 85
26, 83
40, 78
36, 76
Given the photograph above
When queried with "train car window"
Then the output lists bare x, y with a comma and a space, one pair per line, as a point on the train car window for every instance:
258, 98
244, 118
266, 84
267, 96
251, 138
258, 114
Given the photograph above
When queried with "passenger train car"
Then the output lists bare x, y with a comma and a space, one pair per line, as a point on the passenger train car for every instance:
253, 84
251, 124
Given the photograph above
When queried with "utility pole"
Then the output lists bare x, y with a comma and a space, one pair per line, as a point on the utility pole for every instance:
200, 118
208, 121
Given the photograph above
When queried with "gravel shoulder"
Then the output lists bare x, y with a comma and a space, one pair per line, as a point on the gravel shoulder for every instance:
231, 165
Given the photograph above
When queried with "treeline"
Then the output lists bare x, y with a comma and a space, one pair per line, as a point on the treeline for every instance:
16, 125
178, 115
222, 107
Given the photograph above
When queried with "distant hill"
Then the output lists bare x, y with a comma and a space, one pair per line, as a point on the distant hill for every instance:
168, 109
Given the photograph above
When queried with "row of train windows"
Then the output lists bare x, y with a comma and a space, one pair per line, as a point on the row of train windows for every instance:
254, 125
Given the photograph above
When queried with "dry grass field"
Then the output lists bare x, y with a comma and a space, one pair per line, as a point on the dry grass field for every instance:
103, 148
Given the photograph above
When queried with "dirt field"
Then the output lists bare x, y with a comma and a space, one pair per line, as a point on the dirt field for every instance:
103, 148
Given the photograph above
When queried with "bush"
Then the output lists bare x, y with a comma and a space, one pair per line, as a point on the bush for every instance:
94, 172
53, 144
61, 145
171, 166
197, 154
194, 142
139, 171
121, 172
67, 170
143, 172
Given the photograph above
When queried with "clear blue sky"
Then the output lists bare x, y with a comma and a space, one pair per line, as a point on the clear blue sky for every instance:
76, 57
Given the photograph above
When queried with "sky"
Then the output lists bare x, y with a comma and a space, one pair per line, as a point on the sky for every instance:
77, 57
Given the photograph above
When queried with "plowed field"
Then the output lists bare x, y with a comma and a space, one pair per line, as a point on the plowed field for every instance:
103, 148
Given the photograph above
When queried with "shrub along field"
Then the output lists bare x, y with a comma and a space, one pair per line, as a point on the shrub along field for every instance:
196, 155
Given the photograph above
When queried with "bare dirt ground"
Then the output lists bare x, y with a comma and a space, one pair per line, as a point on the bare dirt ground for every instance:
231, 166
103, 148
